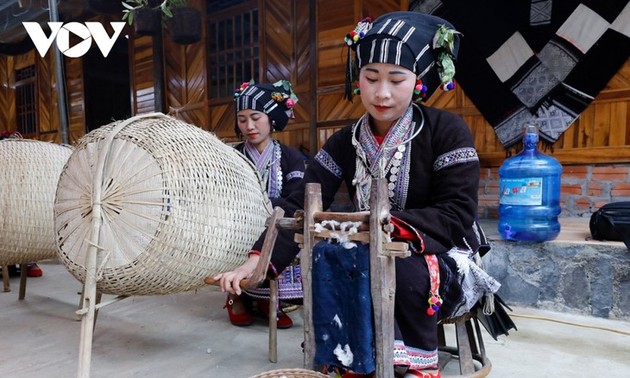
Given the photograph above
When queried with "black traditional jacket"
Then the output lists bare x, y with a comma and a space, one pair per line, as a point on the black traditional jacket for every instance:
291, 167
443, 180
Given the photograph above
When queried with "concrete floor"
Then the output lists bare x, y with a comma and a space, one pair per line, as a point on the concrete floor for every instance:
188, 335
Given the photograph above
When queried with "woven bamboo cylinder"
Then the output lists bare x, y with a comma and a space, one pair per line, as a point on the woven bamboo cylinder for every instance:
176, 205
290, 373
28, 181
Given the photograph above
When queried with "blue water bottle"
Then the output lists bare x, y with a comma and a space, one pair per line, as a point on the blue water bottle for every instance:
529, 197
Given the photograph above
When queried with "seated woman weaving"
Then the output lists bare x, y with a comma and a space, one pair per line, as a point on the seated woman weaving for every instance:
429, 160
260, 110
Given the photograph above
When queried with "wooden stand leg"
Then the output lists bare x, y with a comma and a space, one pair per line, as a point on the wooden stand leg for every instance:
382, 281
470, 350
482, 347
87, 326
88, 308
23, 276
466, 365
5, 278
313, 204
273, 323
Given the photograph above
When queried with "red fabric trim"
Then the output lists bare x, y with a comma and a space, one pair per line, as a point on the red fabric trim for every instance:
272, 272
404, 231
424, 374
401, 231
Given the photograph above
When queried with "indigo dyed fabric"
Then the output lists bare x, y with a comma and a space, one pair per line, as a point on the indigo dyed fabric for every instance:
342, 307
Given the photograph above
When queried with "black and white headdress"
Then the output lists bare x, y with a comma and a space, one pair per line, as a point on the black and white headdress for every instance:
276, 100
426, 45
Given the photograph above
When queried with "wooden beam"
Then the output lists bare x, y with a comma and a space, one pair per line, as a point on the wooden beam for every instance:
593, 155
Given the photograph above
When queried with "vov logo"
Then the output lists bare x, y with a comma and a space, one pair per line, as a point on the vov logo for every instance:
60, 33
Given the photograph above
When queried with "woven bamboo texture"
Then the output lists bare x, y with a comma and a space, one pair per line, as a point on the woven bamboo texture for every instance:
176, 205
28, 181
290, 373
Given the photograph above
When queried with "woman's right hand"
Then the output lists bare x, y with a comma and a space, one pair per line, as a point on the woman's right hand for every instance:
231, 281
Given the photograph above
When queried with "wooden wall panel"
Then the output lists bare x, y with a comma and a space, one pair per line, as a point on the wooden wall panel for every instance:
617, 115
75, 96
300, 64
278, 41
47, 117
297, 137
142, 82
223, 114
375, 8
287, 51
333, 108
185, 78
7, 95
334, 20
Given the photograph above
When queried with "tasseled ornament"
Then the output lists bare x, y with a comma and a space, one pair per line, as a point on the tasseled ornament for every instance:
419, 91
435, 302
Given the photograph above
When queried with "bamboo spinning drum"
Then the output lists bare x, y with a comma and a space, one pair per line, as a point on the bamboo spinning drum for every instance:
163, 202
28, 181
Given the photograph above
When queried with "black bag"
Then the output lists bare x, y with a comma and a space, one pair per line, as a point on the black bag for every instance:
612, 222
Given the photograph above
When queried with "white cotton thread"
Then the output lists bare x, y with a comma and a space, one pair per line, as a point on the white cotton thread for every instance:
345, 230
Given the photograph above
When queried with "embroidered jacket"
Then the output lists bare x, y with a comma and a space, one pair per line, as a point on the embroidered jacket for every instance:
290, 167
442, 183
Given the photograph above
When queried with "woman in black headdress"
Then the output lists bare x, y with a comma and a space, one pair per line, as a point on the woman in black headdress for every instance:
428, 157
262, 109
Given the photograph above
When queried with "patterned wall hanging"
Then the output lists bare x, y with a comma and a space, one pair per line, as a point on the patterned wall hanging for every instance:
535, 60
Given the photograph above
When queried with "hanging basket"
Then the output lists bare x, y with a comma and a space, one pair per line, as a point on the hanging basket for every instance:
185, 25
29, 177
147, 21
176, 205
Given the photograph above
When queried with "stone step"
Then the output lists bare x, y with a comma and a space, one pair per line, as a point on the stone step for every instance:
572, 273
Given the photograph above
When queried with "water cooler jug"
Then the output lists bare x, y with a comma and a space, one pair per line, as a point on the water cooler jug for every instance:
529, 197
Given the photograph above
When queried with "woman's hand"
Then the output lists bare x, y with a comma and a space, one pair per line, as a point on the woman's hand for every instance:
231, 281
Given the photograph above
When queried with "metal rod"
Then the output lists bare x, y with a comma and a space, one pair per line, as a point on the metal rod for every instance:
61, 83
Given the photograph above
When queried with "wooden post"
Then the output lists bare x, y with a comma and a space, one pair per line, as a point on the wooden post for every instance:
382, 281
89, 293
5, 278
261, 272
23, 276
466, 365
312, 204
273, 322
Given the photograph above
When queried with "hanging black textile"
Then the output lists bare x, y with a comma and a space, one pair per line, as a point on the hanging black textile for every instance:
342, 307
528, 60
